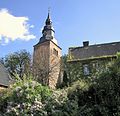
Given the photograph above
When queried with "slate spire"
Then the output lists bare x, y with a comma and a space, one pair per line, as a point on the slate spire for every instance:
48, 20
48, 31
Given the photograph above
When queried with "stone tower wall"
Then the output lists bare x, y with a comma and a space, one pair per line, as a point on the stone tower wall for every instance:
55, 62
41, 61
46, 63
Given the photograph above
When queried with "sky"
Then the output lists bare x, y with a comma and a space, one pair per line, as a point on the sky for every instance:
74, 21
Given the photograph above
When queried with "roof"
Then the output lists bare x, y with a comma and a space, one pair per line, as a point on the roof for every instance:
4, 76
94, 51
47, 41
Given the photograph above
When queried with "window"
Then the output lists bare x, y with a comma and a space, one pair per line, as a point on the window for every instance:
55, 52
86, 70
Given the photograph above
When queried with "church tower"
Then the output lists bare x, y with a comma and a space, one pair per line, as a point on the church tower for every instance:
47, 57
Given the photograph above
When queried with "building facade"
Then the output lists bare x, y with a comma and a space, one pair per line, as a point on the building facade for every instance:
93, 58
47, 57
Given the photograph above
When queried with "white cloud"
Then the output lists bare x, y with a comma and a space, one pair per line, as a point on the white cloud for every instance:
13, 28
31, 26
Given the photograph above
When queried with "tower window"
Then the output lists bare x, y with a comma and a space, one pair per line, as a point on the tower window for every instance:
55, 52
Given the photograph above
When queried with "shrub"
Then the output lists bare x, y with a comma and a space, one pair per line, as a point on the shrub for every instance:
26, 97
29, 98
100, 97
60, 105
103, 96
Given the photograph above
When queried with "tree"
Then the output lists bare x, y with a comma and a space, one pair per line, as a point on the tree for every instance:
72, 71
18, 63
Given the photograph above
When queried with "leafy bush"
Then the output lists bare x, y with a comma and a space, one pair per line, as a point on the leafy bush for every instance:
103, 96
60, 105
100, 97
26, 97
29, 98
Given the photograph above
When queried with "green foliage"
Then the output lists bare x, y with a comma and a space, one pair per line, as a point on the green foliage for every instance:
18, 63
25, 97
64, 69
84, 97
72, 71
29, 98
118, 55
60, 105
103, 96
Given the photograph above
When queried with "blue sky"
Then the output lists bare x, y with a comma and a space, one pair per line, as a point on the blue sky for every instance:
74, 21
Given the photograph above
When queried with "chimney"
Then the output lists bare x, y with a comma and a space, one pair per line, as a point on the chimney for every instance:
85, 43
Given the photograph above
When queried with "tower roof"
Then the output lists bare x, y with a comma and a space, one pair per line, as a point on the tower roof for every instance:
48, 31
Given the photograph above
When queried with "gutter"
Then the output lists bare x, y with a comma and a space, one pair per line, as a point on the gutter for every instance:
92, 58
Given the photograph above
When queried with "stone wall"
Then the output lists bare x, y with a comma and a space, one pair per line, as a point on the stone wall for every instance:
41, 61
55, 64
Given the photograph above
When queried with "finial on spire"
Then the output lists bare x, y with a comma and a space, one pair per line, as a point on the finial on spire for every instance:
48, 21
48, 13
48, 10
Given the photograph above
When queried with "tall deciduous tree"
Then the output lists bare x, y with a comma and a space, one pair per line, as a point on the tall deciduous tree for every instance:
18, 63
